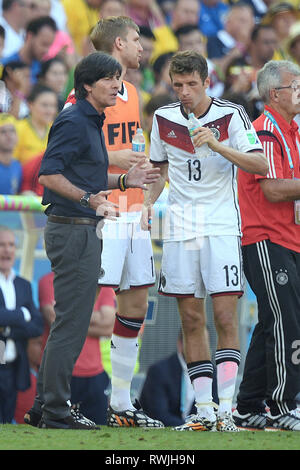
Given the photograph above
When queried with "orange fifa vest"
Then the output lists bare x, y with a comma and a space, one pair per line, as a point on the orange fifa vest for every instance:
120, 125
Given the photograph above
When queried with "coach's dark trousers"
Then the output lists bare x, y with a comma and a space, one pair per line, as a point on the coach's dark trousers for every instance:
272, 367
75, 255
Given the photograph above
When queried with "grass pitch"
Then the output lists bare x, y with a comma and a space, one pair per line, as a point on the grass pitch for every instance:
22, 437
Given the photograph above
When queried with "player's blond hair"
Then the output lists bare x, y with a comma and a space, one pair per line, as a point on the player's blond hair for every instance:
108, 29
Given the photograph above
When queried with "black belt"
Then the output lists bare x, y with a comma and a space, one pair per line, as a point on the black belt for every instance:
72, 220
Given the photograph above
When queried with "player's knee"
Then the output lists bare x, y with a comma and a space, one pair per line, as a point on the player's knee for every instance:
225, 320
192, 321
140, 304
136, 310
133, 303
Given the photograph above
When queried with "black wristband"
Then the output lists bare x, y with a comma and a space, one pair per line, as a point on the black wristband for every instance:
121, 182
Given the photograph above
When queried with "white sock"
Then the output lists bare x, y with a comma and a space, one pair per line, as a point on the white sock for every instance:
203, 397
124, 352
226, 377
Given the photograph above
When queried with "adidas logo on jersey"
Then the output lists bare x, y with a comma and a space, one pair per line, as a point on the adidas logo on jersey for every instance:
172, 135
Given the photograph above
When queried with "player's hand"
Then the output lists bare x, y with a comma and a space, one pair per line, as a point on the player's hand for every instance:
103, 207
146, 218
126, 158
204, 135
141, 174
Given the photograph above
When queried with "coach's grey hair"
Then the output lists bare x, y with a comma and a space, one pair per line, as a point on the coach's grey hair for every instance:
270, 76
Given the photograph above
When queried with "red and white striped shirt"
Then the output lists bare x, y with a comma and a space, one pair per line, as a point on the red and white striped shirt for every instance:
261, 219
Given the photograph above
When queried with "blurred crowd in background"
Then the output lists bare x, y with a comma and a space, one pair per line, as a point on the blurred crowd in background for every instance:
41, 41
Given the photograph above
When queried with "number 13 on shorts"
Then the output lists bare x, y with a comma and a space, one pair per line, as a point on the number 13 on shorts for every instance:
224, 257
232, 275
214, 269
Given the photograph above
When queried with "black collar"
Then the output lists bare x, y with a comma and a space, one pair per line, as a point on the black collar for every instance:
198, 117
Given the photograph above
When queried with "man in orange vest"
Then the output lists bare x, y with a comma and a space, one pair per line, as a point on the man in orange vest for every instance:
123, 240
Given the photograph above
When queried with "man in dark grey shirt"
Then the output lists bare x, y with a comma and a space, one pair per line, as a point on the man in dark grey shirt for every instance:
74, 173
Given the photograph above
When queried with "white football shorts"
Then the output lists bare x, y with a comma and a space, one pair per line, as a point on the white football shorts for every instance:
193, 268
127, 257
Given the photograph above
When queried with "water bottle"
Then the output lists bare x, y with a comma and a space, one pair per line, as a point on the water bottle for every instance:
138, 141
193, 124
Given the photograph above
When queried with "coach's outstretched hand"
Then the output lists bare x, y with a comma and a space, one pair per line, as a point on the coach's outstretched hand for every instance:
141, 174
102, 206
